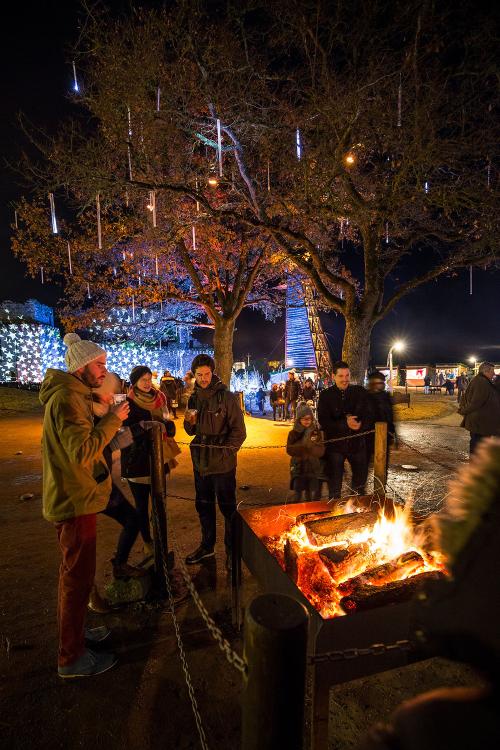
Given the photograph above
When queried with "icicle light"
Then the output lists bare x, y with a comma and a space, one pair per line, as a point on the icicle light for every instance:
158, 96
130, 175
99, 232
53, 213
76, 88
470, 279
298, 144
15, 220
133, 308
219, 147
42, 279
268, 176
156, 265
194, 239
152, 205
88, 290
69, 260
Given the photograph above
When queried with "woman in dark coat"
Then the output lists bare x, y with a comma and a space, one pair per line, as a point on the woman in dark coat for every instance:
146, 404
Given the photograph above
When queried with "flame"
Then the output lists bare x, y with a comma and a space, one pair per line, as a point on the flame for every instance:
382, 543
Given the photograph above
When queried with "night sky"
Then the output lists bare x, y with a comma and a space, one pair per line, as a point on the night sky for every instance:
440, 322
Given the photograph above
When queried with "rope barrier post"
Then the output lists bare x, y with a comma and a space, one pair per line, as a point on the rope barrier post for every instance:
275, 649
380, 461
158, 496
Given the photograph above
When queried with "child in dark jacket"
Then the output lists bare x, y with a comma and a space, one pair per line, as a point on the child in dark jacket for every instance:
304, 445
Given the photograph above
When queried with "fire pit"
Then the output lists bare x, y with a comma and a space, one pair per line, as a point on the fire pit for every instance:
354, 569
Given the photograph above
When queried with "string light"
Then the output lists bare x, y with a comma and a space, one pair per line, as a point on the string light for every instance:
386, 232
349, 159
129, 119
156, 264
15, 220
152, 205
158, 95
426, 187
194, 238
268, 176
41, 275
88, 291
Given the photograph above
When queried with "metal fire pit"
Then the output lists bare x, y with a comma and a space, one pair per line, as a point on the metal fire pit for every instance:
358, 630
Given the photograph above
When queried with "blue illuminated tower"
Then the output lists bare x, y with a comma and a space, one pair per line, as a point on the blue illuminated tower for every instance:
305, 342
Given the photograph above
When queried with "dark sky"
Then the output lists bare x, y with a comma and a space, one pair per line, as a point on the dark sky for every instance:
440, 322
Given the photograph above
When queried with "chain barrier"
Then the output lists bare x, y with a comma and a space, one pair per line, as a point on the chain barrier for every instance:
232, 657
268, 447
180, 645
376, 649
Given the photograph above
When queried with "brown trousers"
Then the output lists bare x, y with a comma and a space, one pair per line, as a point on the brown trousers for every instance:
77, 540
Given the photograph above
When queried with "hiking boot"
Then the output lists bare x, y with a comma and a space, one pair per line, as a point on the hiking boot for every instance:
124, 570
199, 554
89, 664
97, 635
97, 603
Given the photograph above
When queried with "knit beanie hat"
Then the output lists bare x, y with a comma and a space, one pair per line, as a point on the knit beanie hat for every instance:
80, 352
303, 410
138, 372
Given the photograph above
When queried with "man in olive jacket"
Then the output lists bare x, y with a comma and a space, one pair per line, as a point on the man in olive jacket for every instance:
480, 406
76, 486
215, 418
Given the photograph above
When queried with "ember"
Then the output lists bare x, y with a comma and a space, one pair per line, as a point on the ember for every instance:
346, 562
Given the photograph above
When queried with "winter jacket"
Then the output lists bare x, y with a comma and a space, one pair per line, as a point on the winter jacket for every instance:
168, 386
334, 405
292, 390
76, 481
309, 393
381, 410
480, 407
306, 450
135, 459
219, 422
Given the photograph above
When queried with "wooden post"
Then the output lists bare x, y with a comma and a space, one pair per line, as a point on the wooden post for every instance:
276, 630
380, 463
158, 493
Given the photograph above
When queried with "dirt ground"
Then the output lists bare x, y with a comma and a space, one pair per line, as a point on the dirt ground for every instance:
143, 704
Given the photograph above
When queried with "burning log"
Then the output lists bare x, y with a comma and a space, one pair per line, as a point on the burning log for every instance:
404, 565
321, 514
292, 552
339, 561
335, 528
369, 597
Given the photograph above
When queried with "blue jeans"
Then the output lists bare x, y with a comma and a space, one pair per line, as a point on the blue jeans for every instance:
209, 488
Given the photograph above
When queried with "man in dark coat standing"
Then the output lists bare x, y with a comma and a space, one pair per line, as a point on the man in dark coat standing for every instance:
480, 406
292, 393
381, 411
344, 412
215, 419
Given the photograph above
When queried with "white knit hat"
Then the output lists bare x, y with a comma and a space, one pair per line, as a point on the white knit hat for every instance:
80, 352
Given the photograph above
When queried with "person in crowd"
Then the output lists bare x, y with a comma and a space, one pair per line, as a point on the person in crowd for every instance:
77, 486
118, 506
304, 444
427, 383
461, 383
168, 387
292, 393
276, 400
344, 413
449, 386
309, 391
215, 419
260, 400
147, 404
189, 383
381, 410
480, 406
441, 380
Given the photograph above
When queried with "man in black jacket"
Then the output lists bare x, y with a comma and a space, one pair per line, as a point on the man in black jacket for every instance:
215, 419
292, 393
344, 412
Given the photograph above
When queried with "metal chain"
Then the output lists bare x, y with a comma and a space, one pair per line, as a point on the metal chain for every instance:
180, 645
268, 447
232, 657
376, 649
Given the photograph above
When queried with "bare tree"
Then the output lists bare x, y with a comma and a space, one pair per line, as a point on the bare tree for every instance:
359, 137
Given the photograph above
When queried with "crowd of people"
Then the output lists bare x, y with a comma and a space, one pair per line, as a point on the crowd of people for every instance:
91, 416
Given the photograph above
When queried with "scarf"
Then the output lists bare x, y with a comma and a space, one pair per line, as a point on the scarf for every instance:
154, 401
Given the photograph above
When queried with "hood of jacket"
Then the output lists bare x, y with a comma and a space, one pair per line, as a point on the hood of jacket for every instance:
56, 380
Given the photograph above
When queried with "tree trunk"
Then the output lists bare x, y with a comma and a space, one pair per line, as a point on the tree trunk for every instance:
356, 347
223, 348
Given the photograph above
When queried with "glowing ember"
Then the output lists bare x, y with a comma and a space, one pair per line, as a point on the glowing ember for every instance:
360, 564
